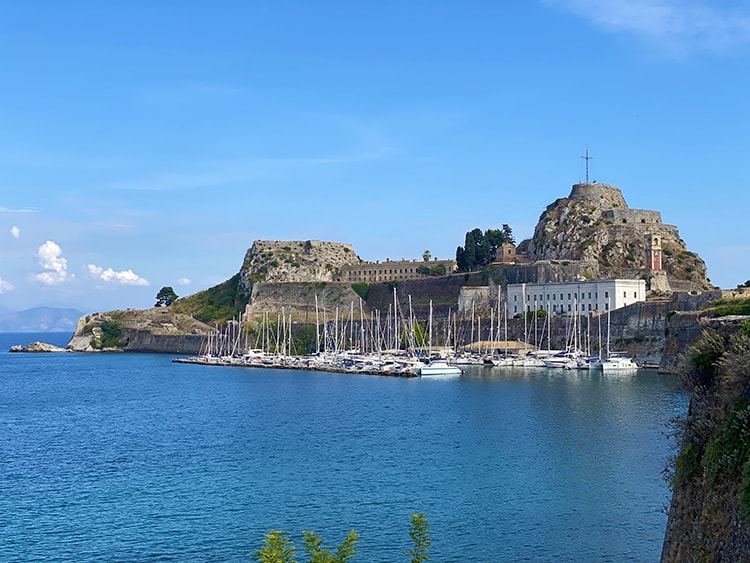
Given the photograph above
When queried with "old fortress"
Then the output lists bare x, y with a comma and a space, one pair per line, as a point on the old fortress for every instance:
590, 252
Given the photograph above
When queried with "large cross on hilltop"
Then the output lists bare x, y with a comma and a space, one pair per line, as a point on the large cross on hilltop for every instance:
587, 158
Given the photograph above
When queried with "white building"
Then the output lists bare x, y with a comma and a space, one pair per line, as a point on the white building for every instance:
564, 298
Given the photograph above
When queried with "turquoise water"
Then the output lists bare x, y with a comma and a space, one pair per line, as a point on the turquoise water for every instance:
131, 457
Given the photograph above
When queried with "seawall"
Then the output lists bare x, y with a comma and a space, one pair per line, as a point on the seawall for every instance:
146, 341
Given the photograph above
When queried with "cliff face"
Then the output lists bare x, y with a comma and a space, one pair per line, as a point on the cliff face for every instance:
709, 516
298, 300
133, 330
295, 261
595, 225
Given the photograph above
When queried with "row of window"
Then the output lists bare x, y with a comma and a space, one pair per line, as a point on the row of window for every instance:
553, 296
581, 309
383, 272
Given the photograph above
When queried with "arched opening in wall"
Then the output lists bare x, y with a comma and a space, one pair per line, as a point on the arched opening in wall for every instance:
643, 220
624, 220
656, 242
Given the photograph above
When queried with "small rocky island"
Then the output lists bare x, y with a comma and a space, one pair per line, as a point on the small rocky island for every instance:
37, 347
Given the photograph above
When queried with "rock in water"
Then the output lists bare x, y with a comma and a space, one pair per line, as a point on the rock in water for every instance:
37, 347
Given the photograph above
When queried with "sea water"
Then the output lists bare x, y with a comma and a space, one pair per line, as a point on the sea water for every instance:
130, 457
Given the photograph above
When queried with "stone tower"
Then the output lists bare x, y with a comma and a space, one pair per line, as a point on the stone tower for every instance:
653, 252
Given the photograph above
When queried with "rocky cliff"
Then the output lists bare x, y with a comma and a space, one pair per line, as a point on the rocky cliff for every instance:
134, 330
709, 515
295, 261
595, 225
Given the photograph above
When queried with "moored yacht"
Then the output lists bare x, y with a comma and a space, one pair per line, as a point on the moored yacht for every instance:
617, 361
439, 368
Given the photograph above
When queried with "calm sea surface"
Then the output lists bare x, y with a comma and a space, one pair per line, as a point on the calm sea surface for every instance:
130, 457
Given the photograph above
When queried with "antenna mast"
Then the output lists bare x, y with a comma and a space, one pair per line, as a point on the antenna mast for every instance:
587, 158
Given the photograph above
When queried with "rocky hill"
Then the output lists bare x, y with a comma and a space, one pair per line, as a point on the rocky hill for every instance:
295, 261
595, 225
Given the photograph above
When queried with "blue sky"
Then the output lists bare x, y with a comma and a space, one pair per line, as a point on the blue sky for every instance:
149, 143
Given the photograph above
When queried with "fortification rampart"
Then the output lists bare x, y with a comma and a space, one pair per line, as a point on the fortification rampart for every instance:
632, 216
600, 195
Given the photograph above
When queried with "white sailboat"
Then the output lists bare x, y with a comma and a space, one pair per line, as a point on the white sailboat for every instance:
616, 362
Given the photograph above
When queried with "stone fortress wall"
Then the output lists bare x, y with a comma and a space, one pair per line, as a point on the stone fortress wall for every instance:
632, 216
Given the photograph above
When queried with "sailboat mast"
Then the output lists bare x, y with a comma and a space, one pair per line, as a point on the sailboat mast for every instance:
317, 327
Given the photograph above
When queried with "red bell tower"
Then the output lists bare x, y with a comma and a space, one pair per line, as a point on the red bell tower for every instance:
653, 252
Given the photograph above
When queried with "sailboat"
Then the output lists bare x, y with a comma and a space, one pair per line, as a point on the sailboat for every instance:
437, 366
616, 362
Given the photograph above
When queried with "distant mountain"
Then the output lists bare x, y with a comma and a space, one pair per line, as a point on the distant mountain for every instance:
40, 319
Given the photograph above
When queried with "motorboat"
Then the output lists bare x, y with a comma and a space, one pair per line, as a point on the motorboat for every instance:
618, 362
439, 368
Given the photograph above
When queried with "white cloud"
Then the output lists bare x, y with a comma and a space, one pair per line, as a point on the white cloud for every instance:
15, 231
124, 277
54, 265
7, 210
677, 25
5, 286
184, 281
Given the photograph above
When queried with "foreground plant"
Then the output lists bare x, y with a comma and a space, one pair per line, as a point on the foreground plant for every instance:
279, 548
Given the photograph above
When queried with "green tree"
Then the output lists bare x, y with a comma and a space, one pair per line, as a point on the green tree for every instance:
165, 297
426, 255
420, 533
480, 249
344, 552
277, 548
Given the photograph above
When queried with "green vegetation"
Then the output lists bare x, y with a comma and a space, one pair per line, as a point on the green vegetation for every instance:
217, 304
111, 335
362, 289
278, 547
438, 270
419, 532
539, 314
723, 307
718, 363
259, 275
480, 248
165, 297
728, 450
304, 339
686, 464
